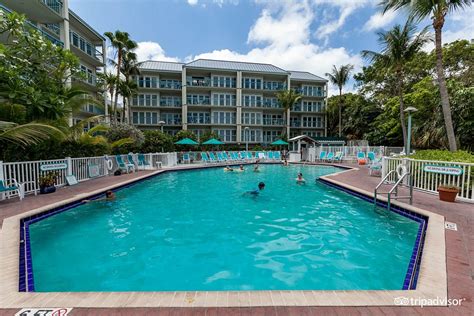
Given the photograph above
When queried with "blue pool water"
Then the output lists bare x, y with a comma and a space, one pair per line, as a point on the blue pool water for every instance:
196, 230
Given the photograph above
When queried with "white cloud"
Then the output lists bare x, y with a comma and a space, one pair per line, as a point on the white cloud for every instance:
380, 20
192, 2
152, 51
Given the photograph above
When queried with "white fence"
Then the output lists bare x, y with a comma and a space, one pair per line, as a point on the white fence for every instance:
350, 152
29, 172
429, 181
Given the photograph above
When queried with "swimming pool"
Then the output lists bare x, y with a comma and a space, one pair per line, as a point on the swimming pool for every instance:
196, 230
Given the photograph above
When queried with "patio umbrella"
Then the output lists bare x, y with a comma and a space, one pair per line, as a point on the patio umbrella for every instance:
279, 142
213, 141
186, 141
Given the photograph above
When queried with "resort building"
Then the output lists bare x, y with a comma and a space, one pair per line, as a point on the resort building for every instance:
60, 25
236, 100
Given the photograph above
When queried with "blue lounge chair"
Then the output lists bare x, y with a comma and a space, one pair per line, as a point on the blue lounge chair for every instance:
249, 155
131, 160
220, 157
142, 161
338, 156
123, 165
361, 160
371, 157
375, 168
277, 155
225, 156
234, 156
243, 155
330, 156
322, 155
12, 188
212, 157
270, 155
204, 157
186, 158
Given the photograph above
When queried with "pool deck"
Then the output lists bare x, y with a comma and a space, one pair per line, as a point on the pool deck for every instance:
458, 262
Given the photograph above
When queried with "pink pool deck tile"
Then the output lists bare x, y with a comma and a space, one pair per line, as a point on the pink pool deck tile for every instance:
459, 263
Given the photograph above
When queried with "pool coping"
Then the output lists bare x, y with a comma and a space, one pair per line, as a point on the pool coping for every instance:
432, 277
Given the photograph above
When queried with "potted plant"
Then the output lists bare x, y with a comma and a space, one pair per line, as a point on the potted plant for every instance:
47, 182
448, 193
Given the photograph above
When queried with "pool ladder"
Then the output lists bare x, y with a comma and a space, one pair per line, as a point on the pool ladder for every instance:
394, 188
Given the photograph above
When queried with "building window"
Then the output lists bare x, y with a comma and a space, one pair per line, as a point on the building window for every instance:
252, 83
312, 121
145, 118
271, 136
171, 118
226, 135
252, 118
223, 82
273, 119
223, 99
198, 99
199, 118
223, 117
251, 135
251, 101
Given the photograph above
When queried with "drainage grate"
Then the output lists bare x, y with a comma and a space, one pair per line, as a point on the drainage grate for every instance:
451, 226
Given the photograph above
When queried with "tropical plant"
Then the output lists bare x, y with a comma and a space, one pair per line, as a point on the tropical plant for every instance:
127, 88
340, 77
156, 141
399, 46
108, 81
125, 131
26, 134
122, 43
130, 67
437, 10
287, 99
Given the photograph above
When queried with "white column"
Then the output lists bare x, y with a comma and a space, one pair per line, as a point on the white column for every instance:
325, 108
104, 60
288, 113
64, 35
238, 100
69, 166
184, 111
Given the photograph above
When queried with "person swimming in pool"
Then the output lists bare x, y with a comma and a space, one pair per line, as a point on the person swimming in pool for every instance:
300, 179
109, 196
257, 191
256, 169
228, 168
241, 168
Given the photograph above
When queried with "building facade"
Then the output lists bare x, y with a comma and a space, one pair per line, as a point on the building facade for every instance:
236, 100
60, 25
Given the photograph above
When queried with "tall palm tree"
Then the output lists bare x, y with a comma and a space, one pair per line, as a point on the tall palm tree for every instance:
437, 9
399, 46
126, 90
130, 67
122, 43
340, 77
108, 82
287, 99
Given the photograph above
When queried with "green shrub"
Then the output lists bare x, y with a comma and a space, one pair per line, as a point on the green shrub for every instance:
156, 141
444, 155
12, 113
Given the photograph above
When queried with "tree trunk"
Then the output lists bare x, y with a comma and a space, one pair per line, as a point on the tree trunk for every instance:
340, 111
119, 59
402, 108
448, 121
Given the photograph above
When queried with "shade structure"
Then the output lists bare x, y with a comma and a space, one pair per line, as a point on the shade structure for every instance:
279, 142
213, 141
186, 141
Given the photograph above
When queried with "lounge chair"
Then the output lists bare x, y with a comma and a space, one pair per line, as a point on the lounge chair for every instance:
131, 160
212, 157
204, 157
234, 156
142, 162
338, 156
123, 165
371, 157
277, 155
243, 155
375, 167
12, 187
322, 156
186, 158
260, 155
270, 155
361, 160
330, 157
220, 158
225, 156
249, 155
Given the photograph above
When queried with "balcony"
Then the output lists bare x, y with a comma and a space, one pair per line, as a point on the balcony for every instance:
86, 47
273, 122
273, 86
167, 84
88, 79
171, 103
92, 109
172, 121
198, 81
295, 123
198, 101
196, 121
55, 5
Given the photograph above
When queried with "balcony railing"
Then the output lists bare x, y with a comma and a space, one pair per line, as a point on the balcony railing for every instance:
205, 101
192, 120
172, 121
273, 122
272, 86
87, 47
88, 79
198, 82
295, 123
90, 108
170, 103
170, 85
55, 5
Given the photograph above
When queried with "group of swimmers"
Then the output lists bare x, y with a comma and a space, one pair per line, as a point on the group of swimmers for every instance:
241, 168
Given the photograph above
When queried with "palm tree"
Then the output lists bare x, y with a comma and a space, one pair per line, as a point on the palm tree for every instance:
287, 99
126, 90
108, 81
437, 9
340, 77
130, 67
27, 134
122, 43
399, 46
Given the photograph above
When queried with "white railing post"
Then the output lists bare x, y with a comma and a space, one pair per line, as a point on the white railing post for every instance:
69, 166
2, 176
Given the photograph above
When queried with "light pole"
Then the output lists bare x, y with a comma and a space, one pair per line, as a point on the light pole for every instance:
161, 123
246, 132
409, 110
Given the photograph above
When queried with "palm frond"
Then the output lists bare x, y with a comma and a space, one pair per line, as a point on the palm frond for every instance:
121, 142
27, 134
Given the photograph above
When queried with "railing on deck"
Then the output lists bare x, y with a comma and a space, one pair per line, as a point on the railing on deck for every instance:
429, 181
28, 173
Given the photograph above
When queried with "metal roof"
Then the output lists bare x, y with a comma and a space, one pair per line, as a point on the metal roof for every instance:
235, 65
304, 75
162, 66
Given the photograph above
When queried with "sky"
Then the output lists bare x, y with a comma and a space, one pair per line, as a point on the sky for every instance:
306, 35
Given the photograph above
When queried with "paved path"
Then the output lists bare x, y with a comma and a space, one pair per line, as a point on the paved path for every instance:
460, 254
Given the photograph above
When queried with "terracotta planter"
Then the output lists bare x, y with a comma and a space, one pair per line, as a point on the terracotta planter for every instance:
447, 194
361, 162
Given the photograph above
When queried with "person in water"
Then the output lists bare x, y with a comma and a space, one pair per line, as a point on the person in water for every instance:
261, 186
300, 179
241, 168
109, 196
285, 162
255, 169
228, 168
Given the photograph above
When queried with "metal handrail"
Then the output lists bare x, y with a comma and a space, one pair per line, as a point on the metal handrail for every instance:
394, 188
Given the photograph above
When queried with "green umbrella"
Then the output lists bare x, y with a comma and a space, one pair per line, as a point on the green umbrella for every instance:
279, 142
186, 141
213, 141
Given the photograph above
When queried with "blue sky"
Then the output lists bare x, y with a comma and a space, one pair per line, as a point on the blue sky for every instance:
309, 35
